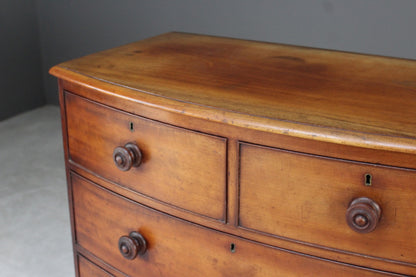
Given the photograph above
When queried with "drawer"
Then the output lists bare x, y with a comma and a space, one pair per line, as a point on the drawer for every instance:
305, 198
88, 269
179, 167
176, 247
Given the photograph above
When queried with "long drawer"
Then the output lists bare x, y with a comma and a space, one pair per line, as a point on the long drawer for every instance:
105, 222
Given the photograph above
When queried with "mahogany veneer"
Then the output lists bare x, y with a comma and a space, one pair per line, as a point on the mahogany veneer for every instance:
192, 155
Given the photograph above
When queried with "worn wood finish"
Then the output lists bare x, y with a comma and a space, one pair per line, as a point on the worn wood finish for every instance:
262, 145
231, 228
88, 269
303, 92
283, 190
178, 248
153, 107
179, 167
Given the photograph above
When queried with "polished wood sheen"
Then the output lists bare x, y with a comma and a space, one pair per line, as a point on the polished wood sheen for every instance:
179, 248
174, 160
316, 94
192, 155
283, 190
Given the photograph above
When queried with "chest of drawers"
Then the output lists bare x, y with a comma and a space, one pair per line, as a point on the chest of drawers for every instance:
192, 155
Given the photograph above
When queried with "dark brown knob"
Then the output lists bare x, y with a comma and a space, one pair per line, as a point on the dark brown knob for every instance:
127, 156
363, 215
132, 245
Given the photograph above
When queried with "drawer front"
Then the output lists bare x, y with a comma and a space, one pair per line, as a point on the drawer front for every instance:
179, 167
305, 198
179, 248
88, 269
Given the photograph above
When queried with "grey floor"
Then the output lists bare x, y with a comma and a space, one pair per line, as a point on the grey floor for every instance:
35, 238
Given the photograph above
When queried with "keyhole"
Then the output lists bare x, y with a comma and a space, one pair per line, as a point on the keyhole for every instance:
368, 179
232, 247
131, 126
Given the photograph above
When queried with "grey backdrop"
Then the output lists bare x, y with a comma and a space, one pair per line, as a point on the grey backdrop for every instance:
21, 86
73, 28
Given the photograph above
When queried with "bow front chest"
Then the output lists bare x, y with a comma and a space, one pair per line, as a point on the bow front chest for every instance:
191, 155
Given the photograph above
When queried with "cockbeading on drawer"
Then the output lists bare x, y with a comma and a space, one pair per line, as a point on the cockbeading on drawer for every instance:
178, 167
327, 202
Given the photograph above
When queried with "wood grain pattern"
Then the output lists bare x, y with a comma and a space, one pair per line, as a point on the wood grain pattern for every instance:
306, 197
182, 168
232, 229
257, 145
88, 269
67, 171
112, 95
321, 95
177, 247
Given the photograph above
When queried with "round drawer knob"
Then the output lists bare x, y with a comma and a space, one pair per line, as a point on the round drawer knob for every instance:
132, 245
363, 215
127, 156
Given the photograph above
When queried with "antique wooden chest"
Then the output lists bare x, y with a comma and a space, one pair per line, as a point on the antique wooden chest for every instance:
191, 155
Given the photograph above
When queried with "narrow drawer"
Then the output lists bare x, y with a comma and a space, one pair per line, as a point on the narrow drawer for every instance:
178, 167
179, 248
309, 199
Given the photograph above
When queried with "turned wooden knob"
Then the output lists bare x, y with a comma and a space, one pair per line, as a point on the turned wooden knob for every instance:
363, 215
127, 156
132, 245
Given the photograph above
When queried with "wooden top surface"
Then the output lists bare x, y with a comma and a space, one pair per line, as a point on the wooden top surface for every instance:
360, 100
